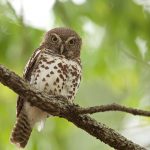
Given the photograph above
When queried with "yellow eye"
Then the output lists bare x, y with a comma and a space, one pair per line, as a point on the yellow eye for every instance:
54, 39
72, 42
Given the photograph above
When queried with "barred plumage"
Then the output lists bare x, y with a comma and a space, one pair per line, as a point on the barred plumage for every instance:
21, 131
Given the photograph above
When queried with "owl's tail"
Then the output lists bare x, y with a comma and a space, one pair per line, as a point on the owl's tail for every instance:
21, 131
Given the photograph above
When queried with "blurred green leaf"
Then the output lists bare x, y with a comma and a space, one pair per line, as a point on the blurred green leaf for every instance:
114, 69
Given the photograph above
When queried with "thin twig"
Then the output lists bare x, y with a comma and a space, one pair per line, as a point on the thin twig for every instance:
113, 107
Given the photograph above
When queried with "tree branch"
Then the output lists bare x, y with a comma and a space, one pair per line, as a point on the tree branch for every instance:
59, 106
113, 107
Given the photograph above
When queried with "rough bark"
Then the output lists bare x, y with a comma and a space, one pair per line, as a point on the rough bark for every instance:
59, 106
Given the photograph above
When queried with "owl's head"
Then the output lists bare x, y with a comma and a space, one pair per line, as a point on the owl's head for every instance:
63, 41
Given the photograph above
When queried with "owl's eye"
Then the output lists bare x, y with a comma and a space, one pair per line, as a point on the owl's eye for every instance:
54, 39
72, 42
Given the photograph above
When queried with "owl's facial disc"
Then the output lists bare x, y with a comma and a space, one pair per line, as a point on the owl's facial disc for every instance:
63, 41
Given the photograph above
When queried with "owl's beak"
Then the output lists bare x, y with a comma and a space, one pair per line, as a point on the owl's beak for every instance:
61, 49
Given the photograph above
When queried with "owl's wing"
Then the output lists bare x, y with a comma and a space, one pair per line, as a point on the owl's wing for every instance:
27, 75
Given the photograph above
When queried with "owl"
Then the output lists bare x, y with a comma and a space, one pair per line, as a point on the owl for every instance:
55, 68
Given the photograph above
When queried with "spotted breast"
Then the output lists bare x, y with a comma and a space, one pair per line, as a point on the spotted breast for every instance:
56, 75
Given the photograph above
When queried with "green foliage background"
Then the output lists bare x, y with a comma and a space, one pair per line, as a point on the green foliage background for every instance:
115, 68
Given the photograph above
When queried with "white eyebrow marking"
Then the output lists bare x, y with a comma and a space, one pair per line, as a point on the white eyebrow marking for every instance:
70, 38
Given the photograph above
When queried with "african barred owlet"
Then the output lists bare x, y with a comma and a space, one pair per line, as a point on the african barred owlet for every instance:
54, 68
